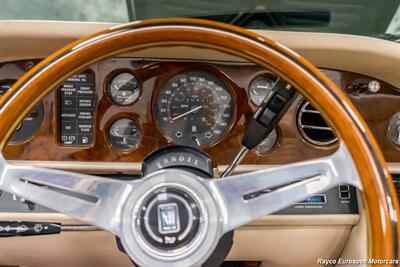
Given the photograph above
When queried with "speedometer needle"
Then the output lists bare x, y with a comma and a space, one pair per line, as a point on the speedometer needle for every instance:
186, 113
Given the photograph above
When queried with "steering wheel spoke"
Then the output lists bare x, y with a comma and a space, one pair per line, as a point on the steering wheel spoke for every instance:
95, 200
246, 197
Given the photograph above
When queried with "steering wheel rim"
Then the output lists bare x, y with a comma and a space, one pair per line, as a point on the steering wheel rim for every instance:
379, 194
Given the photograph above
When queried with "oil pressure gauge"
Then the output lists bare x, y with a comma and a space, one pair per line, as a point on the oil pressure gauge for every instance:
124, 134
394, 129
124, 89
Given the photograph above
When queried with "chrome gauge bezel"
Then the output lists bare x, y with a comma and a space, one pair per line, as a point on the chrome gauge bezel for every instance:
110, 79
278, 134
389, 127
110, 125
266, 75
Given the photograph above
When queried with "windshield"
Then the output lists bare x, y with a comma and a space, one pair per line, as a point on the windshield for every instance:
376, 18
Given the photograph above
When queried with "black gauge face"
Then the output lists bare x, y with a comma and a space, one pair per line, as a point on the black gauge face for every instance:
124, 134
259, 89
194, 108
124, 89
27, 128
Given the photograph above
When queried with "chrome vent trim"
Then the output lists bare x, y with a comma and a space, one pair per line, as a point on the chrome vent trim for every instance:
313, 127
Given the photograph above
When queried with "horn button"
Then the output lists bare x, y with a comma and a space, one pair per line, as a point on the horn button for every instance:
169, 218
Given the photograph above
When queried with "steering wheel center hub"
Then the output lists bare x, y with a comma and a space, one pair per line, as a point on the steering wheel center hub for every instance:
169, 218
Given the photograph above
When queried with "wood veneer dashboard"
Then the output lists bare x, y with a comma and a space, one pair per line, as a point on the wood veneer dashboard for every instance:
376, 108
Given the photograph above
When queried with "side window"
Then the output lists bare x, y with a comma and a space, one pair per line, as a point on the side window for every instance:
67, 10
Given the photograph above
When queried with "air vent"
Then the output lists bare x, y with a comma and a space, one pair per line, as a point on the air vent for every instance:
313, 127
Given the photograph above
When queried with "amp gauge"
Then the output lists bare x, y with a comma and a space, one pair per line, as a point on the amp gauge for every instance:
394, 129
124, 134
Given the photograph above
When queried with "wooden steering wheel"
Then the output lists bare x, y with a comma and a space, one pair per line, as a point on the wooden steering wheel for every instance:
116, 205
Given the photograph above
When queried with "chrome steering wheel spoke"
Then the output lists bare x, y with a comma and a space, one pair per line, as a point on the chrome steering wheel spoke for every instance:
95, 200
246, 197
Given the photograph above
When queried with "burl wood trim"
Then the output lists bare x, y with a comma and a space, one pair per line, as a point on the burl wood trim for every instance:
375, 108
379, 194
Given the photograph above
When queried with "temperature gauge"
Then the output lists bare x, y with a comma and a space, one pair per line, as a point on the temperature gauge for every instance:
260, 88
394, 129
124, 134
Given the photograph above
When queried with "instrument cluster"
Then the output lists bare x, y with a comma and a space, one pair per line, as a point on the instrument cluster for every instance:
122, 109
126, 108
192, 105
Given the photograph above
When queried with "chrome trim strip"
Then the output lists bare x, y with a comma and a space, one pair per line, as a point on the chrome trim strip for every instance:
79, 228
95, 166
135, 167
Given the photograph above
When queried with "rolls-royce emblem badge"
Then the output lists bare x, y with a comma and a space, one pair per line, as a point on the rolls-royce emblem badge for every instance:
168, 218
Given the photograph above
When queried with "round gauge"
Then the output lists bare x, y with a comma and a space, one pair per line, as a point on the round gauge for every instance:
124, 134
394, 129
260, 88
27, 128
194, 108
268, 143
124, 89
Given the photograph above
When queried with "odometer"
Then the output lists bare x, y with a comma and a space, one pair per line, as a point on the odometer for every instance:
194, 108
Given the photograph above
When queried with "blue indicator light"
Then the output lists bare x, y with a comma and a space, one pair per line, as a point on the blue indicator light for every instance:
317, 199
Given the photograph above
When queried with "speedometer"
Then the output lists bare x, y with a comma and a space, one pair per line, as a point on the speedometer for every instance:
194, 108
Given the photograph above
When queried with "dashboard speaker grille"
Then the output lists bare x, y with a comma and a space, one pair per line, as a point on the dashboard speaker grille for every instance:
313, 127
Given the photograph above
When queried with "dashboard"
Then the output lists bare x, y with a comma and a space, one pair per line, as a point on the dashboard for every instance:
125, 88
124, 108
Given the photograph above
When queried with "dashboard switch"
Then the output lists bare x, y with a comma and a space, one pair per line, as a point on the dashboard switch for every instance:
344, 192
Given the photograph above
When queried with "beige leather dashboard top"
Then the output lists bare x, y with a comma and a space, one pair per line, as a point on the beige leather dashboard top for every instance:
368, 56
274, 238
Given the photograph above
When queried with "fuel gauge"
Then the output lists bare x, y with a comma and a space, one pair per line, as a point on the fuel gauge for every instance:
124, 134
268, 143
394, 129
